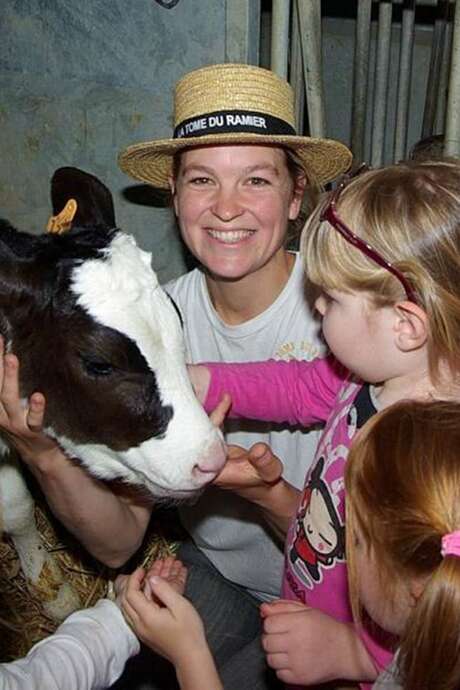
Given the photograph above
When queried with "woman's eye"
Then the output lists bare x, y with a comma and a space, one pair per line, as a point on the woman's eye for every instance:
258, 181
199, 181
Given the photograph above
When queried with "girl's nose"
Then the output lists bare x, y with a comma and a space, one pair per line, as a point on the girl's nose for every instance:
226, 205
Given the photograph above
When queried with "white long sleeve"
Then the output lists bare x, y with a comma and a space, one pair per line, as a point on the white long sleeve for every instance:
87, 652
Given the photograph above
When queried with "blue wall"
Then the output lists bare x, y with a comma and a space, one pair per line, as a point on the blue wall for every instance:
82, 79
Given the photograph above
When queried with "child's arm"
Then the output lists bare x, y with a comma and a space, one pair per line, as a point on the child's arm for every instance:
306, 646
88, 651
296, 392
165, 621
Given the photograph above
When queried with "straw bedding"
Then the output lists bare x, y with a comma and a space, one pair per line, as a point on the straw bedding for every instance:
24, 619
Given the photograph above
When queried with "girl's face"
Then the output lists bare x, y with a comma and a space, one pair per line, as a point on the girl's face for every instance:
359, 334
233, 204
391, 614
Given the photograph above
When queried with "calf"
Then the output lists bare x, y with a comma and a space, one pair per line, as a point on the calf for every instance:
97, 335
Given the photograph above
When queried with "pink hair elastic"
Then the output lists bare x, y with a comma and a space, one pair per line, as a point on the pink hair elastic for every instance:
450, 544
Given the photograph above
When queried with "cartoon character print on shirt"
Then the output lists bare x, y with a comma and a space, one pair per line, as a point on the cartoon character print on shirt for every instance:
319, 539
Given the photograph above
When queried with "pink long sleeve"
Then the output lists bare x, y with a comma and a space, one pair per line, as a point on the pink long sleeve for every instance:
296, 392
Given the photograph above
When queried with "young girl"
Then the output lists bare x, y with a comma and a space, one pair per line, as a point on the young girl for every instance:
403, 552
403, 539
385, 251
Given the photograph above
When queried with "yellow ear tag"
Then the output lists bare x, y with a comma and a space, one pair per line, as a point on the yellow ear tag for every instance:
63, 221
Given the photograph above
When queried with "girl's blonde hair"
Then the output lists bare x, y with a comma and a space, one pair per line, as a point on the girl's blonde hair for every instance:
403, 495
409, 213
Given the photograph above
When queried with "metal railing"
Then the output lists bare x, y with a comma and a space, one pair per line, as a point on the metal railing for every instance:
296, 53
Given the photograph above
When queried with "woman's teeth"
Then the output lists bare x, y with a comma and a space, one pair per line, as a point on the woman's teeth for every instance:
230, 236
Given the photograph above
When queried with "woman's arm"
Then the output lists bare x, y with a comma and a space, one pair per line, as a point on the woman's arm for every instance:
110, 525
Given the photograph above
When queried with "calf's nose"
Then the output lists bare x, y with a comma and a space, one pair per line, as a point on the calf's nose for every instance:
211, 463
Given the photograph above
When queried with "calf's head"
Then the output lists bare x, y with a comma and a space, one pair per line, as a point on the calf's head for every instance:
96, 334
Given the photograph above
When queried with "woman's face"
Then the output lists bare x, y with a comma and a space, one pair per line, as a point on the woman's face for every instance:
233, 204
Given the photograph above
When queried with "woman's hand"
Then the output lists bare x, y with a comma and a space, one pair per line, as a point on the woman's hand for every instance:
250, 473
256, 475
22, 423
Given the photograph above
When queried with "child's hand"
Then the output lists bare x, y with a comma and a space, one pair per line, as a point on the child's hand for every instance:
305, 646
219, 413
200, 378
167, 622
170, 569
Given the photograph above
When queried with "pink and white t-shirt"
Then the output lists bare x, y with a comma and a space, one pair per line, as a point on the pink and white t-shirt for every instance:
307, 393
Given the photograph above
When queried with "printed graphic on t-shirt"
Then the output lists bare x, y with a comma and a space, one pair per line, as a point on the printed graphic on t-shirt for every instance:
320, 536
318, 541
294, 349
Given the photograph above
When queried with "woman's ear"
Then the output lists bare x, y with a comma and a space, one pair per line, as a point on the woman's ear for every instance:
297, 197
411, 326
172, 189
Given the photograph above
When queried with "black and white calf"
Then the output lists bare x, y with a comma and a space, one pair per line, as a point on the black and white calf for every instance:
97, 335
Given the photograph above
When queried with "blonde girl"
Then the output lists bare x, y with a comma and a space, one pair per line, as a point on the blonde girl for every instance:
403, 538
384, 250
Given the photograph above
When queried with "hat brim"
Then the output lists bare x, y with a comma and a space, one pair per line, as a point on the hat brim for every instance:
151, 161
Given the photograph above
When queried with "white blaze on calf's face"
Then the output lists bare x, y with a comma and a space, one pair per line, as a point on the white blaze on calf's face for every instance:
121, 291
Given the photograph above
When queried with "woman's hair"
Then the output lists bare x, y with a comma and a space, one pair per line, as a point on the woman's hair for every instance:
299, 177
409, 213
403, 495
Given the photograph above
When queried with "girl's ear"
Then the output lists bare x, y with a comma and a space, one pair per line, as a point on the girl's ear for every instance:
411, 326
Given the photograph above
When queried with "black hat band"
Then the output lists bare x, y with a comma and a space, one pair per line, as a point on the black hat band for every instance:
233, 122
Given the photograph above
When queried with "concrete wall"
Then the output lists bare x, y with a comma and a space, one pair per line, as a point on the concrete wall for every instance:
81, 79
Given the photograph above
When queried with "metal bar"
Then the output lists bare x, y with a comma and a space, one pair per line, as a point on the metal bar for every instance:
452, 137
444, 80
404, 81
381, 84
296, 72
432, 93
360, 77
280, 37
242, 31
310, 32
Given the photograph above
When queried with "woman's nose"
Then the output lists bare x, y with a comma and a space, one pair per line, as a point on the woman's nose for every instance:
226, 205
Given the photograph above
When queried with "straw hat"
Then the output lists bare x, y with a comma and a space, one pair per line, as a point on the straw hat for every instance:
233, 104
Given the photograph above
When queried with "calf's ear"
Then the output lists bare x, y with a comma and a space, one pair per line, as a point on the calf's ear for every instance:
91, 202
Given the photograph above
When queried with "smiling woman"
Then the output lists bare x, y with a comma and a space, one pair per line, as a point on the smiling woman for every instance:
238, 183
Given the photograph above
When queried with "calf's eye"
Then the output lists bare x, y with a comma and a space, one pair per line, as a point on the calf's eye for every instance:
96, 367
